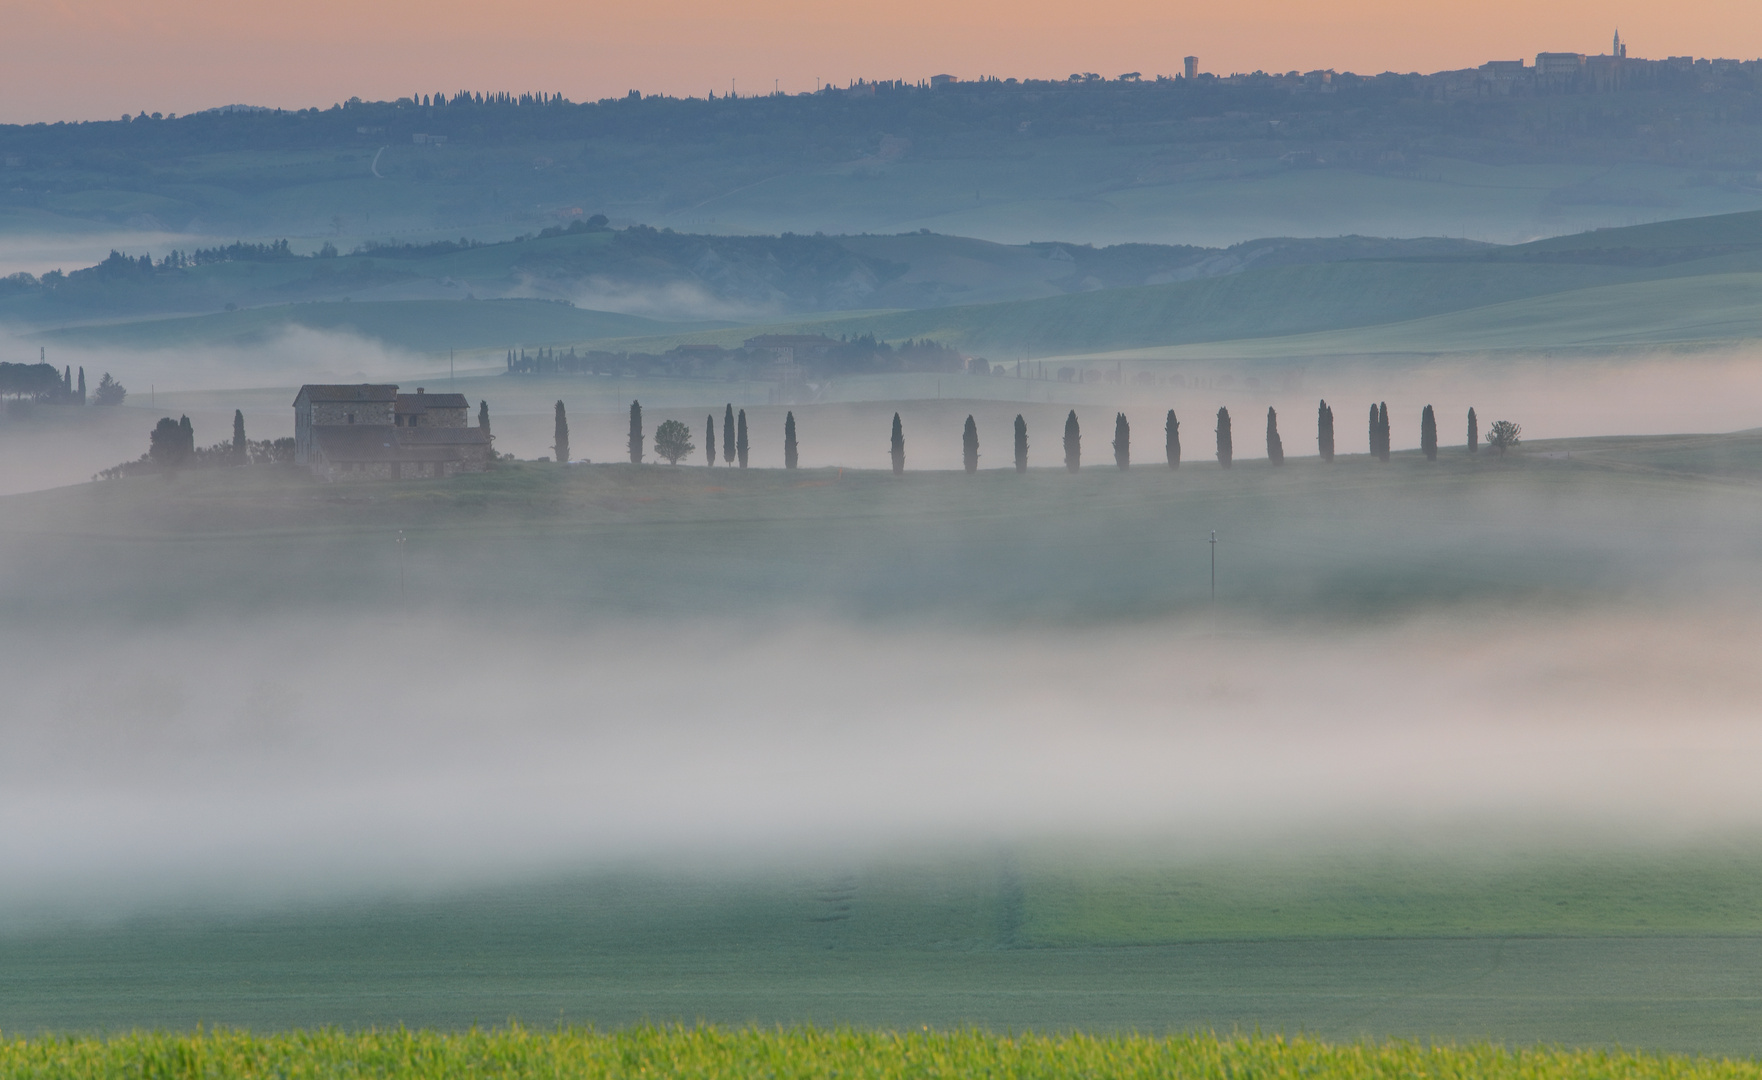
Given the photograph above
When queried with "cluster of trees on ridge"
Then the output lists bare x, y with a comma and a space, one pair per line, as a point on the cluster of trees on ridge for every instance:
171, 446
41, 383
672, 439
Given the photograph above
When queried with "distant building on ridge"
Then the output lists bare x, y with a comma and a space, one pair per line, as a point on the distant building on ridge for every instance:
369, 431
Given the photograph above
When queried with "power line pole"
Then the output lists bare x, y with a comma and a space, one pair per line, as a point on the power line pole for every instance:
1214, 566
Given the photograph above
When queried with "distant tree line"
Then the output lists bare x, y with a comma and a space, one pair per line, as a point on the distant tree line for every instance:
811, 356
41, 383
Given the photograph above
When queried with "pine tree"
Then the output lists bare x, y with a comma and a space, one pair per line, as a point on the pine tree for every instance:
710, 440
562, 438
789, 449
1383, 430
896, 448
1474, 432
1021, 444
1122, 442
1275, 447
740, 444
1225, 448
1171, 438
1324, 431
728, 435
1428, 434
238, 437
636, 433
1073, 443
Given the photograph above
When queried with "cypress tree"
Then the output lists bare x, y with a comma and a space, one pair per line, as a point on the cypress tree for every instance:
187, 437
1383, 430
970, 445
710, 440
562, 438
728, 435
1474, 432
1324, 431
1375, 448
1122, 441
1428, 434
636, 433
66, 383
1275, 447
238, 437
896, 446
1225, 449
82, 385
1171, 437
789, 449
740, 444
1021, 444
483, 415
1073, 443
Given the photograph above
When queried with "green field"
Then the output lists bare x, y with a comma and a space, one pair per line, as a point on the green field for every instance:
711, 1053
1636, 947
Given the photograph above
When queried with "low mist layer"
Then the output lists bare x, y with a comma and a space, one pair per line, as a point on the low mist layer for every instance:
303, 758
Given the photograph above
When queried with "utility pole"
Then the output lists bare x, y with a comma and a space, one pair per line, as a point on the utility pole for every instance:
1213, 566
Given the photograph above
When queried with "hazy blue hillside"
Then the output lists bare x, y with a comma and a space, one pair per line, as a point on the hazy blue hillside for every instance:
1063, 296
1105, 161
659, 272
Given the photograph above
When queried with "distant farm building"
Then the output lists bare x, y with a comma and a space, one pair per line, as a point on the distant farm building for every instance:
369, 431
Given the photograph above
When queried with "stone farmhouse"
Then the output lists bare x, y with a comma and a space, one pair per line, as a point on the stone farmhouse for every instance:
369, 431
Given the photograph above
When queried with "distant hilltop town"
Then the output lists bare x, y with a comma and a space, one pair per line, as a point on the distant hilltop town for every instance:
1559, 72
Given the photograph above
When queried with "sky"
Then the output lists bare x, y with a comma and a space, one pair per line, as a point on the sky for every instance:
95, 59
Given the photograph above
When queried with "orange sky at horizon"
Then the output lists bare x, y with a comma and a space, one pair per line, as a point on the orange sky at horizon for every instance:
95, 59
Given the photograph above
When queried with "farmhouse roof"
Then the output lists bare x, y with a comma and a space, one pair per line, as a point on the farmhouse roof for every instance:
421, 400
347, 392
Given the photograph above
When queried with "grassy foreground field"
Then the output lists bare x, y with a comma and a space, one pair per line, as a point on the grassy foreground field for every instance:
707, 1052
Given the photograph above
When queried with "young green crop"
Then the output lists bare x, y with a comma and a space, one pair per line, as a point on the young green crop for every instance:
711, 1053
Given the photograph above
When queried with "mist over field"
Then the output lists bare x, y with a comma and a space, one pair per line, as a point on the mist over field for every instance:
223, 764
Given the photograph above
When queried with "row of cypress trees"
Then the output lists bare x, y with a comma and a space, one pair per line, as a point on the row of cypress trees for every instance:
1122, 438
735, 446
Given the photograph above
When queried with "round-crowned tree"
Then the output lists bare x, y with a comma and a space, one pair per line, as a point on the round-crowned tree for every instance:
673, 441
1503, 435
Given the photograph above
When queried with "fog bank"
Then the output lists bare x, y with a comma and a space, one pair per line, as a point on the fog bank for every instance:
228, 764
